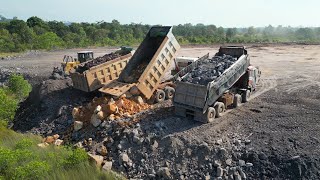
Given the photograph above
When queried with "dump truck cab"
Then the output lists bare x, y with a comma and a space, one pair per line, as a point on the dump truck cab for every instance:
84, 56
183, 62
250, 79
124, 49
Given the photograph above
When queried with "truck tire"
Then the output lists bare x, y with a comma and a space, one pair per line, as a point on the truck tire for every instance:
160, 96
237, 100
210, 115
169, 91
220, 108
246, 96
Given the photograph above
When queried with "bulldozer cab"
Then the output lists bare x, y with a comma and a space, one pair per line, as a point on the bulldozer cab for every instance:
84, 56
124, 50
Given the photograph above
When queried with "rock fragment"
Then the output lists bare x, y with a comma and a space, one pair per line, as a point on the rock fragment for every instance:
241, 163
164, 172
102, 150
124, 158
58, 142
96, 159
107, 166
43, 145
139, 100
219, 172
75, 112
77, 125
95, 121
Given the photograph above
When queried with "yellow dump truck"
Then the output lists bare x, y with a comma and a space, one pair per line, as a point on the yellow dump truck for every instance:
145, 72
95, 77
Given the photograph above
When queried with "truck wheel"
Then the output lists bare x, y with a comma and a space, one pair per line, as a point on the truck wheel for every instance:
160, 96
246, 96
169, 91
211, 114
220, 108
237, 100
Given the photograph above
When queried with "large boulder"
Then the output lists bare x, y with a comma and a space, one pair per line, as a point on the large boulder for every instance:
107, 166
77, 125
95, 121
96, 159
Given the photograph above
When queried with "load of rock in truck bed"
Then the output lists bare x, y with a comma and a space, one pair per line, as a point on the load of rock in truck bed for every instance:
100, 60
209, 69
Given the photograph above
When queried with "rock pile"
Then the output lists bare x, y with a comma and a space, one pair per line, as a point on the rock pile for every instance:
4, 76
209, 69
144, 153
101, 110
51, 140
58, 74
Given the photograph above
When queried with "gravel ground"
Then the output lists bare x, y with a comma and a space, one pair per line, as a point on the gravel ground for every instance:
274, 136
37, 66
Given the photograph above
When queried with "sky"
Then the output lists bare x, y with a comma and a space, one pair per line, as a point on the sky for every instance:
226, 13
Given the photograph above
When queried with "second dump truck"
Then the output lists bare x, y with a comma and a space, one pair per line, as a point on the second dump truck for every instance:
206, 100
145, 72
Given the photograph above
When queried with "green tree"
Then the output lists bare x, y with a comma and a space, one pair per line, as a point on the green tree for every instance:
59, 28
24, 32
6, 43
251, 31
220, 35
35, 21
231, 32
305, 34
49, 40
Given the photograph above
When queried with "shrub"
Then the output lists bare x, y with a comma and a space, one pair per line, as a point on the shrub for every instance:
32, 170
8, 107
77, 156
21, 158
24, 143
19, 86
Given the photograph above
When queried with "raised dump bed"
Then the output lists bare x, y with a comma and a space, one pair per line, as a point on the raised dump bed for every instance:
148, 65
94, 77
216, 83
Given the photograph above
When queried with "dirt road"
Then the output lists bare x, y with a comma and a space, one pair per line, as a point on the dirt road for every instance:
278, 128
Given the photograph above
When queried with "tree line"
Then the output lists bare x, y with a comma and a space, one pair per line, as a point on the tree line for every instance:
18, 35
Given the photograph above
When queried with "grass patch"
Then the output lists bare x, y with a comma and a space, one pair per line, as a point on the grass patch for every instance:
21, 158
6, 54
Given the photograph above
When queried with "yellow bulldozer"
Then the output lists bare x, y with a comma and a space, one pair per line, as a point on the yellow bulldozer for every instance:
69, 62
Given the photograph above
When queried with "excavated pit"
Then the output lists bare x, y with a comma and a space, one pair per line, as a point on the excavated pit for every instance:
209, 69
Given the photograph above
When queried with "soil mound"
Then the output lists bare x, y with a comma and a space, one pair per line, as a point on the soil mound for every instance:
49, 101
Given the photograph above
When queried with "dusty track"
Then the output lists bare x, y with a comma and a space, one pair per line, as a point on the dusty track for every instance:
281, 119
